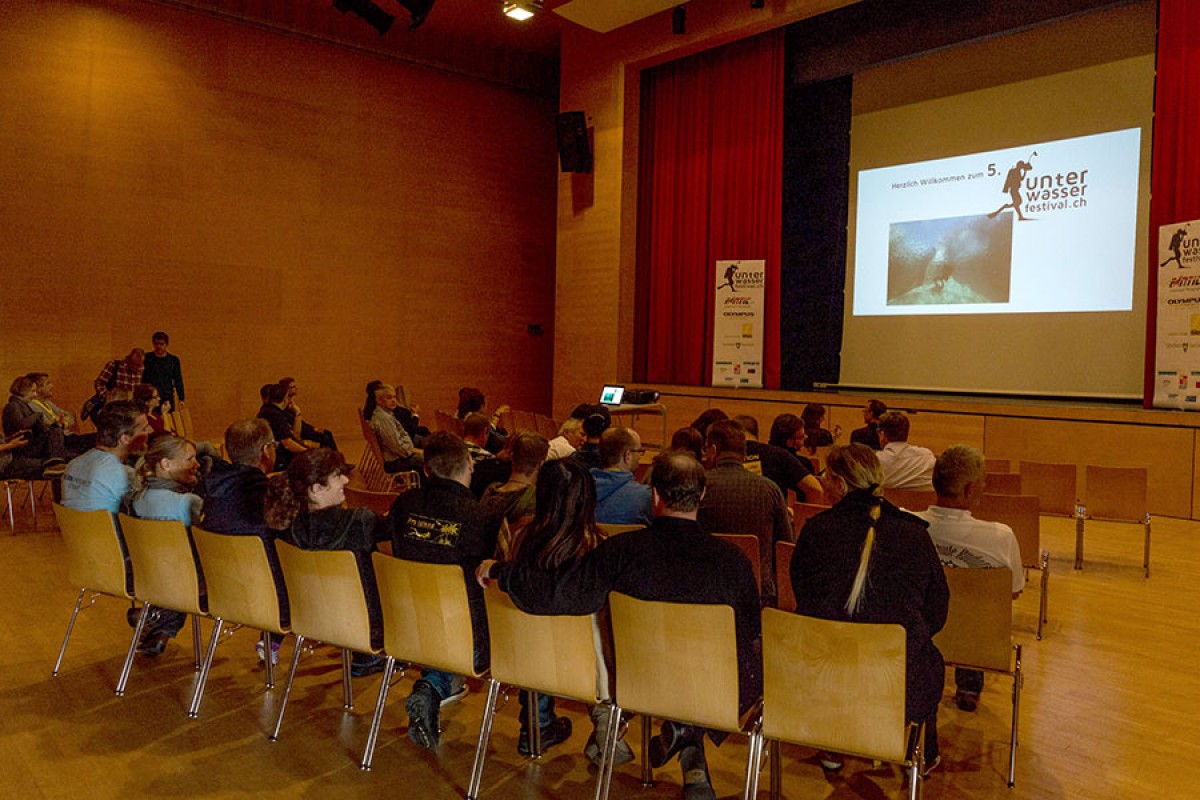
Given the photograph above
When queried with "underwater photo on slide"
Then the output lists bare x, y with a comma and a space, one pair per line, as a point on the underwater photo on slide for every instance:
950, 261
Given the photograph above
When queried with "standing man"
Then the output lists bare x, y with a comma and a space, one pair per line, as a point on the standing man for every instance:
163, 372
99, 478
122, 373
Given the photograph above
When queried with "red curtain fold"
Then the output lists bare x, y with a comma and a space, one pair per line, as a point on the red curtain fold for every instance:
710, 188
1175, 181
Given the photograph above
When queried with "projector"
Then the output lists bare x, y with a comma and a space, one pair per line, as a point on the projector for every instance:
640, 397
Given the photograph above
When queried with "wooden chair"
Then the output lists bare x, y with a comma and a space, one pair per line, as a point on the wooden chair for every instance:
1117, 494
659, 647
1003, 483
611, 529
379, 502
179, 422
997, 465
978, 634
783, 576
241, 591
837, 686
96, 561
426, 621
1054, 485
164, 564
543, 654
11, 485
546, 426
802, 513
748, 544
448, 422
370, 467
911, 499
1020, 512
326, 604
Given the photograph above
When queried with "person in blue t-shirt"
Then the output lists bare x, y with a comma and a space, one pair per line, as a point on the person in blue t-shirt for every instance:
99, 479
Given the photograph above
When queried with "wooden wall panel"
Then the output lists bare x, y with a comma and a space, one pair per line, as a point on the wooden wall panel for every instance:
278, 205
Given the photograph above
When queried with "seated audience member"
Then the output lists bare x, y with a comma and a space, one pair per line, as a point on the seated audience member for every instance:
441, 523
673, 560
815, 435
738, 501
21, 416
471, 401
787, 431
707, 418
620, 499
788, 472
163, 490
15, 465
570, 433
274, 411
488, 468
963, 541
409, 419
309, 434
395, 443
304, 505
688, 440
163, 371
869, 433
99, 478
121, 373
514, 499
905, 466
148, 399
865, 560
596, 423
56, 416
234, 496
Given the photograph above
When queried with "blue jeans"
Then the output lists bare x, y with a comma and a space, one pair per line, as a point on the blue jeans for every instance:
545, 709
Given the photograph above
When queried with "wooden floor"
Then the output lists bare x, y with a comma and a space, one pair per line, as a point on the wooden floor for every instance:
1109, 706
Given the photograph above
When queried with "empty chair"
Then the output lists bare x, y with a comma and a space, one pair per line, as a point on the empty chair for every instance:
241, 591
836, 686
978, 634
426, 621
802, 513
748, 544
379, 502
1003, 483
783, 576
911, 499
370, 467
1054, 485
543, 654
1118, 494
657, 646
1020, 512
997, 465
448, 422
611, 529
96, 560
167, 576
326, 604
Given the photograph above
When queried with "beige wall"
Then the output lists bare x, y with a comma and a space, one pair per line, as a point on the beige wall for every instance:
278, 205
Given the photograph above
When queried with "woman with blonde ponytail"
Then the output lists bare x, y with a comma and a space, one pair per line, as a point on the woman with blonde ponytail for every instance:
864, 560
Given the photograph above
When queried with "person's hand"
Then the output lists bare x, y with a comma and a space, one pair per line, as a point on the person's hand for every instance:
504, 409
483, 573
165, 408
837, 431
18, 440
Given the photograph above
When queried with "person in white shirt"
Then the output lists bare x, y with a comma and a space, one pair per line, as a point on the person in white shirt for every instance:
963, 541
905, 466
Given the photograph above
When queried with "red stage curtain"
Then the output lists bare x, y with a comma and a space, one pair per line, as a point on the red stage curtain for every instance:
1175, 182
710, 188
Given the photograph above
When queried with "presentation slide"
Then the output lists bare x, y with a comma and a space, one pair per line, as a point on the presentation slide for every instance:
1040, 227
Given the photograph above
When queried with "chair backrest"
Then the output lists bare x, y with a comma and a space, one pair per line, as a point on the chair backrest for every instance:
658, 647
164, 565
1003, 483
550, 654
370, 467
1116, 493
448, 422
783, 576
379, 502
179, 422
998, 465
978, 631
1019, 512
612, 529
1052, 484
426, 614
802, 513
238, 579
838, 686
546, 426
95, 552
911, 499
748, 544
325, 596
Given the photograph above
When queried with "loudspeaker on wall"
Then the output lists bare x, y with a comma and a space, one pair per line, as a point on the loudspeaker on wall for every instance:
574, 151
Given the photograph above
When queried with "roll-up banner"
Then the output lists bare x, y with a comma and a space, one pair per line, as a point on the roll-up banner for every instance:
738, 323
1177, 358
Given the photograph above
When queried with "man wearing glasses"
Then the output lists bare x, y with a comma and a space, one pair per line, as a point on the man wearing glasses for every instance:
620, 499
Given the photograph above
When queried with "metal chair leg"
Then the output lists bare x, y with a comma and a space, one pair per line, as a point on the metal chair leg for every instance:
268, 660
485, 735
1042, 616
70, 627
377, 720
1146, 557
1018, 679
12, 520
197, 653
753, 761
647, 770
776, 767
1079, 540
287, 690
533, 724
202, 681
604, 781
133, 643
347, 685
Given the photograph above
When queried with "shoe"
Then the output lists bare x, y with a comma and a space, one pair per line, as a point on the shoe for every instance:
422, 707
696, 783
623, 753
153, 645
258, 646
458, 690
132, 616
363, 665
931, 766
830, 762
966, 701
666, 744
556, 732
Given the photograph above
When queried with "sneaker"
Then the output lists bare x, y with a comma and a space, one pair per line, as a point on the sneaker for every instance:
666, 744
422, 708
931, 766
696, 783
132, 616
362, 665
556, 732
623, 753
153, 645
966, 701
831, 762
458, 690
258, 646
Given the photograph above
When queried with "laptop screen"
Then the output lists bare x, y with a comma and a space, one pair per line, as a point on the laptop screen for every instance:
612, 395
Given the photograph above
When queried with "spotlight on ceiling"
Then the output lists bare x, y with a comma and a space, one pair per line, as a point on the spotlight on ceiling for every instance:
758, 3
417, 10
379, 19
522, 10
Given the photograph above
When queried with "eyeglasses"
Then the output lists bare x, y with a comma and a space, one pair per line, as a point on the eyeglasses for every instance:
271, 443
638, 450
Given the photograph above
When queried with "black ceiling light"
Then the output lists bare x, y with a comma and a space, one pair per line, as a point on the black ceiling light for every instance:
378, 19
418, 10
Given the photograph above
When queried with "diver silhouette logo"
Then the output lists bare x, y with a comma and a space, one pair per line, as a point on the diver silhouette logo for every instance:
730, 272
1175, 246
1012, 187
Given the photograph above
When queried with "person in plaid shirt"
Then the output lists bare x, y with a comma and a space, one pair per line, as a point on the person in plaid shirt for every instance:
123, 373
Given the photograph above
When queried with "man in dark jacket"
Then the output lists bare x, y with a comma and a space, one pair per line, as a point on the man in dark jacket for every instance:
163, 371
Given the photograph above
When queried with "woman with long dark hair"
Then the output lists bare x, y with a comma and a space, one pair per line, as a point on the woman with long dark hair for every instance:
864, 560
